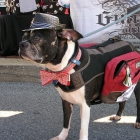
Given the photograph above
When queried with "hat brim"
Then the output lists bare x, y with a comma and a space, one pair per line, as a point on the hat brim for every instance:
62, 26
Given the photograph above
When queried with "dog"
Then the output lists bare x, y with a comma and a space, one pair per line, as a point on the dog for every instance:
53, 48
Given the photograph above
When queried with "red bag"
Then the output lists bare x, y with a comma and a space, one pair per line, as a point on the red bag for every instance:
119, 71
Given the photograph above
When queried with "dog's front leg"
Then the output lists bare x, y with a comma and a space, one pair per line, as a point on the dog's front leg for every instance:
67, 112
85, 116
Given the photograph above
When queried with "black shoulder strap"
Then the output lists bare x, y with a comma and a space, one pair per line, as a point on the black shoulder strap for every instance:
109, 41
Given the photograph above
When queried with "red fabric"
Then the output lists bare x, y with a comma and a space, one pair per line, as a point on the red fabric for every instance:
88, 45
115, 84
67, 11
48, 77
42, 3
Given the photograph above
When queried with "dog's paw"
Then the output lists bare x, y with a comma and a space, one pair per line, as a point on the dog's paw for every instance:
115, 118
137, 125
57, 138
83, 138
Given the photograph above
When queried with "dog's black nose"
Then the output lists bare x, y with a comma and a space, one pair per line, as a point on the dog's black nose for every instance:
23, 44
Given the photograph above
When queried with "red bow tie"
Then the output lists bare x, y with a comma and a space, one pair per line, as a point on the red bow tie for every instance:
48, 77
62, 77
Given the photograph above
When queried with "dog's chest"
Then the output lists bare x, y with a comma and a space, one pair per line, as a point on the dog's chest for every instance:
75, 97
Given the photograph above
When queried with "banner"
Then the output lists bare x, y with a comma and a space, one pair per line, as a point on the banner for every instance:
91, 15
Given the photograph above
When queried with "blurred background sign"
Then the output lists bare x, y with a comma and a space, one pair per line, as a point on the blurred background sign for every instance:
2, 3
2, 7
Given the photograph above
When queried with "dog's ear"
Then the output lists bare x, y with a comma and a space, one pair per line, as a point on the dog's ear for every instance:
70, 34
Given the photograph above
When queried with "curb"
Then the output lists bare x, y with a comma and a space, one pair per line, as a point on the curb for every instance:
18, 70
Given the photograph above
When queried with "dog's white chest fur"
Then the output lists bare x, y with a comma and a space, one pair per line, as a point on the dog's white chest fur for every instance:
76, 97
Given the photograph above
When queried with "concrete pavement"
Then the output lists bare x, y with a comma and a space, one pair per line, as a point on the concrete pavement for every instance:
18, 70
29, 111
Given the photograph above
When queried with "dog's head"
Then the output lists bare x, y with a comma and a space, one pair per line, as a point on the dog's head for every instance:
42, 46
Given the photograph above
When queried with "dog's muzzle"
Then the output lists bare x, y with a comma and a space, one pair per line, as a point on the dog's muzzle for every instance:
29, 52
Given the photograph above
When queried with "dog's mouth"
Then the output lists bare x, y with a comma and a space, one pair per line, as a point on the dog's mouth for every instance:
28, 58
29, 54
